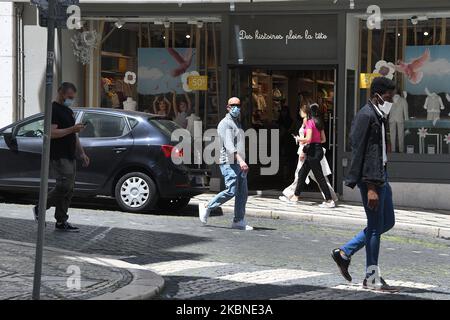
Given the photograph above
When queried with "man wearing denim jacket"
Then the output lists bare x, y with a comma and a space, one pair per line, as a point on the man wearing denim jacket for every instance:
368, 172
233, 167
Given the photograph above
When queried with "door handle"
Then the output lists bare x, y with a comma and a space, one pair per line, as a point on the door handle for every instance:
119, 149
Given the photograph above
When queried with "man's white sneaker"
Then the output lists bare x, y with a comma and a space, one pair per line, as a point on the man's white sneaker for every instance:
325, 204
241, 225
203, 212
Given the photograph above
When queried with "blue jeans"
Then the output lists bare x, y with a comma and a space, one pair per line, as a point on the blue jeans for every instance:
379, 221
235, 186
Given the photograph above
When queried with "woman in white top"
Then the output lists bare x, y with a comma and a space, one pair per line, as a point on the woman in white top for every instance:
289, 192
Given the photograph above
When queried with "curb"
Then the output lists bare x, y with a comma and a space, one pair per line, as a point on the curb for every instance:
144, 286
433, 231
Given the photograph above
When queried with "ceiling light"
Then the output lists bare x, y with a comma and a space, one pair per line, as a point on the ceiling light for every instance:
119, 24
425, 33
188, 36
398, 34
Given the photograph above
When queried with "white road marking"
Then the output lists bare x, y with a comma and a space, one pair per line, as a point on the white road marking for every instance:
271, 276
165, 268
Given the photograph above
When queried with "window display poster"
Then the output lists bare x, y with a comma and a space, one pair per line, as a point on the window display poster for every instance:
160, 69
426, 67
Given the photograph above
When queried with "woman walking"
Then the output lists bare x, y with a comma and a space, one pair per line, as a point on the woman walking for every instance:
311, 157
289, 192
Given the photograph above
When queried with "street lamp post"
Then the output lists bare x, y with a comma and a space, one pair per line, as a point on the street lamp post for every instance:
45, 149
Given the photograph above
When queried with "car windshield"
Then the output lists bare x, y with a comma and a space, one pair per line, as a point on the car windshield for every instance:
164, 125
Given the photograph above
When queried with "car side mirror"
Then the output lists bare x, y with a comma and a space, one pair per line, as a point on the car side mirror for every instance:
10, 139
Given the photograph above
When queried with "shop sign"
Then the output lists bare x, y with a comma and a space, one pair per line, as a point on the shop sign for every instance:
198, 83
277, 38
365, 79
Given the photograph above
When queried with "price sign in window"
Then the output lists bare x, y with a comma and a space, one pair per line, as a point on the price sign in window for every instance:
198, 83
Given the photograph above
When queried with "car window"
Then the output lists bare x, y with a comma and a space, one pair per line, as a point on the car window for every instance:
32, 129
164, 125
133, 122
98, 125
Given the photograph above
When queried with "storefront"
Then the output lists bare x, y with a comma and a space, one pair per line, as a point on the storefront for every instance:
272, 59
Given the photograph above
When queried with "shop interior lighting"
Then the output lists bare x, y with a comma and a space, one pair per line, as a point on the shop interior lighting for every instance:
166, 24
426, 33
232, 6
188, 36
119, 24
199, 24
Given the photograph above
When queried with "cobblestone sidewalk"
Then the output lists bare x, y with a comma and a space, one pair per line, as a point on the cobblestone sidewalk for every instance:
65, 275
436, 224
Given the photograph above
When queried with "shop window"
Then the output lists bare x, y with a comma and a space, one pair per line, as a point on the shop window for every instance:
99, 125
417, 58
162, 56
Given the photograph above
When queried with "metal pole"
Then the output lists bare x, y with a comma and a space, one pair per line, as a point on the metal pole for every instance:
45, 149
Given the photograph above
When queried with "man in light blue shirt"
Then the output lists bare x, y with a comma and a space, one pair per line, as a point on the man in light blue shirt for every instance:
233, 167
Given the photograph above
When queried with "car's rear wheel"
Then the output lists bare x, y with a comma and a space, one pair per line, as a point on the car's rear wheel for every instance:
136, 192
174, 204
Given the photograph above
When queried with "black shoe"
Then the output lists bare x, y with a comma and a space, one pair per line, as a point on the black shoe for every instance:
381, 286
67, 227
342, 264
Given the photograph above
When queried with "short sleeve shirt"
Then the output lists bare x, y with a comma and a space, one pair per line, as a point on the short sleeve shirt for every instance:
315, 138
63, 148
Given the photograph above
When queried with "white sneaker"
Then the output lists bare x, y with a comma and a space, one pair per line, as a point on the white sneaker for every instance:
203, 212
326, 204
241, 225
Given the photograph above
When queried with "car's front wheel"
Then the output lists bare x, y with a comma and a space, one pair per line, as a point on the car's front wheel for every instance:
136, 192
174, 204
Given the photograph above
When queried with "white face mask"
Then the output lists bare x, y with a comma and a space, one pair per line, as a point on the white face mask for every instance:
386, 106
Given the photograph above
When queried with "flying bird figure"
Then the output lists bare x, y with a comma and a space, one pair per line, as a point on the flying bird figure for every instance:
184, 62
412, 69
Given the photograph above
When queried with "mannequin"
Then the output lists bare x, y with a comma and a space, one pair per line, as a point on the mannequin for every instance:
433, 105
397, 117
129, 104
260, 101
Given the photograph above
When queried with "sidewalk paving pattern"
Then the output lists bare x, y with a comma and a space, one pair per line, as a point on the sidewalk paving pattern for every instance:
61, 280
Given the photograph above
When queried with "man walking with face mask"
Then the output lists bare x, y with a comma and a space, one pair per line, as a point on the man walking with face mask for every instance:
233, 167
65, 147
368, 172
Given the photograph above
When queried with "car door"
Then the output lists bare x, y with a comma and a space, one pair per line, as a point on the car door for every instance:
106, 139
20, 153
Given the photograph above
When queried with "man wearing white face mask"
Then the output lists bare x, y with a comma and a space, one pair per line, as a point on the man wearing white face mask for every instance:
65, 147
368, 172
233, 167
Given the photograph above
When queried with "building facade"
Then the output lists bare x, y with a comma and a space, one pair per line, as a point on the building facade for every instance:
272, 55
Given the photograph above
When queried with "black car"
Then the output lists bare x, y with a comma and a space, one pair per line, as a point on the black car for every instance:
130, 156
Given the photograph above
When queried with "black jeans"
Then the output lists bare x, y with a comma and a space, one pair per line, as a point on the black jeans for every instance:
312, 162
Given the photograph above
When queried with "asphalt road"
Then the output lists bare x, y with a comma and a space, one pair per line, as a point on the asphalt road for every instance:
281, 259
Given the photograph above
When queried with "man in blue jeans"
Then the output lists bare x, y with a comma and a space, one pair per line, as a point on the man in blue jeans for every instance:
368, 172
233, 167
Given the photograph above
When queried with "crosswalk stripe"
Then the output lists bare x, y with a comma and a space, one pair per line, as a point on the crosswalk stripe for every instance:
166, 268
271, 276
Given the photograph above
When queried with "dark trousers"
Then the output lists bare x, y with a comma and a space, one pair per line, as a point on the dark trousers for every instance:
312, 162
61, 195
